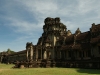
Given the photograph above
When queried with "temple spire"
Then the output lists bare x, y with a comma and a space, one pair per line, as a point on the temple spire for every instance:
69, 33
77, 31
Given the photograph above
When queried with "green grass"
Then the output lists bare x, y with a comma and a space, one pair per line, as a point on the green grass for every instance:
6, 66
8, 70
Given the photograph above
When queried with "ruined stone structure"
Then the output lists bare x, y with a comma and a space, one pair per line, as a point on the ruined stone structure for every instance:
58, 47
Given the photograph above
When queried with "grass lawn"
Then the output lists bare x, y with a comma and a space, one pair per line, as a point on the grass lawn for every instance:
8, 70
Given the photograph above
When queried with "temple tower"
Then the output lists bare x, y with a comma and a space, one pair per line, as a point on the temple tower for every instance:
52, 29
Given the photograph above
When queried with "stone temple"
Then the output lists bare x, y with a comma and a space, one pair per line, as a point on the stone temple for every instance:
58, 47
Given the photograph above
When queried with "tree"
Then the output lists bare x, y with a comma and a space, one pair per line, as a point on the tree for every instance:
9, 51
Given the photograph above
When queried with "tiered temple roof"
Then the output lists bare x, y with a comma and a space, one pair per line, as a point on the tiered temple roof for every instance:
95, 28
83, 36
69, 38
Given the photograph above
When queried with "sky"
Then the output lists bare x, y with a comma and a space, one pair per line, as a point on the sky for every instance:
22, 21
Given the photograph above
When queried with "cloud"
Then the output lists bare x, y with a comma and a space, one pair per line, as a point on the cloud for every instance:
24, 26
26, 17
41, 9
69, 11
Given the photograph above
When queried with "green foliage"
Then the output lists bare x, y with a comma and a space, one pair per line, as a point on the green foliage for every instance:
8, 70
9, 51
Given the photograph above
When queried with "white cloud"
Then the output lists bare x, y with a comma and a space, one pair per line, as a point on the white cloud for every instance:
73, 13
40, 8
78, 9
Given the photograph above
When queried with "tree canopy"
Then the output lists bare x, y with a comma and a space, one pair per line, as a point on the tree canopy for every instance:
9, 51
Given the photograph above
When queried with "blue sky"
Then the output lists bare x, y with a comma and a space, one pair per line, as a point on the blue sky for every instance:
22, 21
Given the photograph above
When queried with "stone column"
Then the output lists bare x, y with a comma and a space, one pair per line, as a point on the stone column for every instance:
84, 54
1, 59
50, 55
81, 54
27, 54
36, 54
31, 53
41, 53
60, 54
45, 55
66, 54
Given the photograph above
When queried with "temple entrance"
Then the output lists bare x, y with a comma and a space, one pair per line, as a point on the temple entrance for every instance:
63, 54
47, 55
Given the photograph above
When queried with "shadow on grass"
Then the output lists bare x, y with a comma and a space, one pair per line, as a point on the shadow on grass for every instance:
89, 71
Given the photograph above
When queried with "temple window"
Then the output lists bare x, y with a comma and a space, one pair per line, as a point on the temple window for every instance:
80, 54
56, 21
57, 37
99, 49
53, 21
86, 53
47, 44
39, 54
69, 53
76, 53
48, 22
57, 54
89, 53
83, 53
65, 54
60, 54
